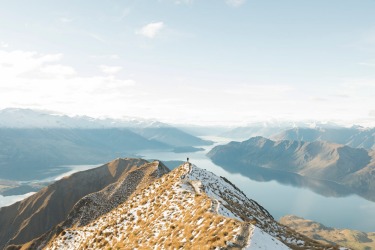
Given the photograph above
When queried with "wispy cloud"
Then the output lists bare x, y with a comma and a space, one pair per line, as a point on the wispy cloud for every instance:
318, 99
109, 56
368, 64
343, 96
58, 70
44, 80
235, 3
178, 1
125, 12
66, 19
4, 45
97, 37
110, 70
151, 30
183, 1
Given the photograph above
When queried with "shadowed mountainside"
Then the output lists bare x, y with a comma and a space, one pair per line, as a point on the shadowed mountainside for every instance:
27, 154
32, 142
109, 184
187, 208
351, 167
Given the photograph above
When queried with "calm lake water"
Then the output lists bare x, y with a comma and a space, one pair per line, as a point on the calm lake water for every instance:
350, 211
55, 174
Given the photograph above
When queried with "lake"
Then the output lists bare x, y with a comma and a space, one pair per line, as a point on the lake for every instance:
347, 211
350, 211
54, 174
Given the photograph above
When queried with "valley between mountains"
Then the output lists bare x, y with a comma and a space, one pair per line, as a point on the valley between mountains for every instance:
133, 203
137, 204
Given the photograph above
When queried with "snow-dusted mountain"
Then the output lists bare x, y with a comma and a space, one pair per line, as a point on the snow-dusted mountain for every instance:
272, 128
353, 168
187, 208
32, 142
29, 118
13, 118
355, 136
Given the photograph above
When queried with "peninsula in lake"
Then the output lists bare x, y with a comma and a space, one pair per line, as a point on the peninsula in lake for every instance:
318, 165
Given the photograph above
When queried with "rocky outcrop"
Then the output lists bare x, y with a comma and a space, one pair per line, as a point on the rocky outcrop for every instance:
353, 239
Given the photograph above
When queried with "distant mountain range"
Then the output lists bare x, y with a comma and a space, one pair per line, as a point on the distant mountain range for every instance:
356, 137
139, 204
270, 128
351, 167
27, 154
33, 142
30, 118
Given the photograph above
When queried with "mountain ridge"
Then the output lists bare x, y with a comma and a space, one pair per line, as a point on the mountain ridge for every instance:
30, 218
31, 118
183, 208
187, 207
351, 167
29, 147
356, 137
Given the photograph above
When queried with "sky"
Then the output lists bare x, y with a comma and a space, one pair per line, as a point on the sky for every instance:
206, 62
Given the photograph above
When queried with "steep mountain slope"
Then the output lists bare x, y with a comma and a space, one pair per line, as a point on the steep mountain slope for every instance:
27, 154
345, 237
186, 209
353, 167
356, 137
171, 136
114, 182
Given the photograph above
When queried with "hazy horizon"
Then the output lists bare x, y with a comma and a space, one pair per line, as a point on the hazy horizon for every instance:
265, 122
221, 62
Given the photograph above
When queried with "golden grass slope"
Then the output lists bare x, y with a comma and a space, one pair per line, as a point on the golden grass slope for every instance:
94, 205
163, 215
188, 208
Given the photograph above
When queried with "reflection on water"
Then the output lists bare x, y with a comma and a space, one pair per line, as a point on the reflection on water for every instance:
281, 194
325, 188
325, 202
